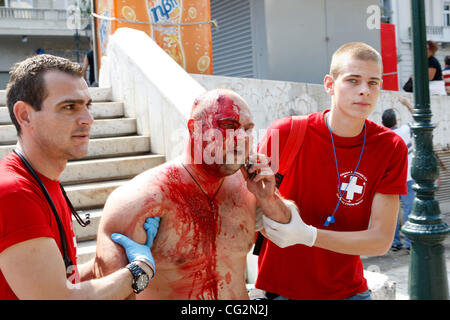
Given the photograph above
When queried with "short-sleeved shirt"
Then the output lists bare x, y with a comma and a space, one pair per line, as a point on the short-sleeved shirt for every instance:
434, 63
405, 133
25, 213
446, 76
301, 272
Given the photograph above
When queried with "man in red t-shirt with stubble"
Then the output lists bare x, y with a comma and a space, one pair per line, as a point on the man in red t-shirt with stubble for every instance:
346, 181
48, 101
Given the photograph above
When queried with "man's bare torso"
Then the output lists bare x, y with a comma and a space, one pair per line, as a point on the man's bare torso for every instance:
201, 246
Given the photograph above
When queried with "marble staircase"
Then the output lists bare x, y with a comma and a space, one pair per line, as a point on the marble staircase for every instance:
116, 154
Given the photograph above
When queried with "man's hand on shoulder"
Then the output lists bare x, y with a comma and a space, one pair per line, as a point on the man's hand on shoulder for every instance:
140, 252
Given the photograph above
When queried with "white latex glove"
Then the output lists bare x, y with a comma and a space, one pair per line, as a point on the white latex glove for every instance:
294, 232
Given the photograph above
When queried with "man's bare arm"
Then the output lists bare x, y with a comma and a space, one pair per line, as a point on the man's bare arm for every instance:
405, 102
125, 211
34, 269
376, 240
86, 270
109, 255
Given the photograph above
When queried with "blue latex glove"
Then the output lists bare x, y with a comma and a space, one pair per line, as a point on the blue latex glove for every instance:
137, 251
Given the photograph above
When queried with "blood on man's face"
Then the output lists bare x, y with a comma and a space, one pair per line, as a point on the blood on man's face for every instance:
223, 143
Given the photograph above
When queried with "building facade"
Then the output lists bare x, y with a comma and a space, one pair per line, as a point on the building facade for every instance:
28, 27
290, 40
293, 40
398, 12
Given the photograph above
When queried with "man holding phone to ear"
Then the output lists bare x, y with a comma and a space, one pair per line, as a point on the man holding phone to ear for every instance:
48, 101
207, 204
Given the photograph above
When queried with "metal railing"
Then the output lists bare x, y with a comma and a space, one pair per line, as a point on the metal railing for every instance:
432, 32
33, 14
62, 18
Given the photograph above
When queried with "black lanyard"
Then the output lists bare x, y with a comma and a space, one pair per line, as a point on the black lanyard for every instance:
62, 234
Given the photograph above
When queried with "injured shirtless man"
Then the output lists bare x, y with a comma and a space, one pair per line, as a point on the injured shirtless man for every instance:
207, 202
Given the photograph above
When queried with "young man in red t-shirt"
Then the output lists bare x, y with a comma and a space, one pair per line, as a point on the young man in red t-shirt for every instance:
48, 101
345, 182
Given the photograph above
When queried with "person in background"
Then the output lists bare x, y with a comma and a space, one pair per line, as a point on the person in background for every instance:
437, 86
389, 120
446, 74
88, 65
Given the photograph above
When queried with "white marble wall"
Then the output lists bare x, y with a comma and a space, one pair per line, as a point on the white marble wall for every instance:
270, 100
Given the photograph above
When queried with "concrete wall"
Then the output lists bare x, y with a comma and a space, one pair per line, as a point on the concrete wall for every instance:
270, 100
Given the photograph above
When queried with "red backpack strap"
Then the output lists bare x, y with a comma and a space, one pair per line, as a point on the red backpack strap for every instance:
292, 147
290, 151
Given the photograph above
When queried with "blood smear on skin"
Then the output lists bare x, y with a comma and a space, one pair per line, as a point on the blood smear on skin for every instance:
197, 223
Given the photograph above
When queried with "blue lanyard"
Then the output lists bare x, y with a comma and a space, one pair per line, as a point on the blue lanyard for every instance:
331, 219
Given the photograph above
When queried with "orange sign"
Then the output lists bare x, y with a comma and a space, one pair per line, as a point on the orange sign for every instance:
179, 27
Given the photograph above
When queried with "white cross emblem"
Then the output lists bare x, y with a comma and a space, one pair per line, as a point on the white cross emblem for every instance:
352, 188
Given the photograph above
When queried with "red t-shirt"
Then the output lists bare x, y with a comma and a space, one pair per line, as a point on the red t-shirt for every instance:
25, 213
301, 272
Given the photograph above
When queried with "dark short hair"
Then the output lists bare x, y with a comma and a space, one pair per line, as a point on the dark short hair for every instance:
388, 118
26, 81
447, 60
433, 46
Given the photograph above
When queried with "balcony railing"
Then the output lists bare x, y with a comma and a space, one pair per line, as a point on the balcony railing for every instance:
436, 33
33, 14
61, 18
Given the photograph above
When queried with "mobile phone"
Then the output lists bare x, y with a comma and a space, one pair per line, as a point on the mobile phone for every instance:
248, 165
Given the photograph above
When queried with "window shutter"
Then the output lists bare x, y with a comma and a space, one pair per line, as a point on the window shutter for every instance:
232, 41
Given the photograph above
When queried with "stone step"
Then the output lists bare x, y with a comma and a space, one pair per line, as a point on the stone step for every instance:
105, 110
84, 171
100, 94
90, 231
4, 116
2, 97
118, 146
105, 147
8, 134
100, 129
113, 127
93, 194
97, 94
99, 110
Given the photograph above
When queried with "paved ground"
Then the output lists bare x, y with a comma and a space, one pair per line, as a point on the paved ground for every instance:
395, 266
